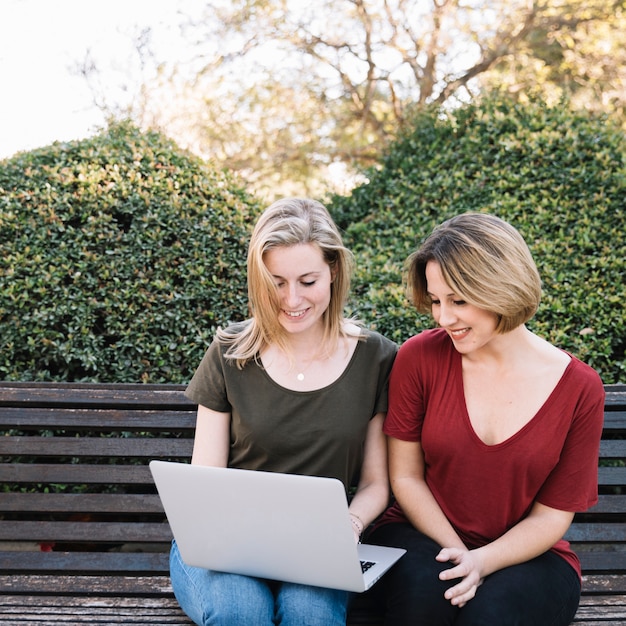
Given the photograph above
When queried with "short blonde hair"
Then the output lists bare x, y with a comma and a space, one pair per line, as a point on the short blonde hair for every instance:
289, 222
486, 262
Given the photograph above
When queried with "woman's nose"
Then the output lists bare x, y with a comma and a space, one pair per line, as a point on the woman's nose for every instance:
292, 295
447, 315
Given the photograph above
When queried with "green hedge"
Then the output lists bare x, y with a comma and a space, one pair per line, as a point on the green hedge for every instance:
119, 255
558, 176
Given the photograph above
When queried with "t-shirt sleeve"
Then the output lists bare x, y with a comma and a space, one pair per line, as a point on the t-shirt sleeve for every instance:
406, 402
573, 483
208, 386
385, 355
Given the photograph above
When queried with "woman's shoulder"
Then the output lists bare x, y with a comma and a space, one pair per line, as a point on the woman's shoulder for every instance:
370, 337
427, 340
583, 376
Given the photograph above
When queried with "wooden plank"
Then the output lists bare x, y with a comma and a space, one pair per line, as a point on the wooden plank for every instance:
614, 421
101, 395
96, 447
97, 419
605, 584
607, 504
26, 562
615, 395
95, 602
54, 610
602, 612
90, 532
102, 617
80, 503
613, 448
615, 532
601, 558
75, 585
42, 473
612, 476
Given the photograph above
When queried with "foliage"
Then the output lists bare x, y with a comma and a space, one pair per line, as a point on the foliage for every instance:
119, 255
556, 175
575, 49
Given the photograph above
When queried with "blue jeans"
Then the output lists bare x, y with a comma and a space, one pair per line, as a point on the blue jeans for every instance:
212, 598
542, 592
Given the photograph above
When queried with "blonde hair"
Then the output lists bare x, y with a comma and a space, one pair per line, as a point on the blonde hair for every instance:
289, 222
486, 262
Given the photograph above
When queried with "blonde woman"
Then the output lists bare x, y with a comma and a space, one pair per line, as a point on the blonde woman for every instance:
299, 389
493, 442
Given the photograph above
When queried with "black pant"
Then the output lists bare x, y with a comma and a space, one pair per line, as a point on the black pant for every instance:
542, 592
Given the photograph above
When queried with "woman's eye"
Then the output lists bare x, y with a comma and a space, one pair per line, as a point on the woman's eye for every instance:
309, 284
459, 302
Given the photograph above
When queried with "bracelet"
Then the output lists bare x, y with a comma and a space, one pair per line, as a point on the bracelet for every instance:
357, 522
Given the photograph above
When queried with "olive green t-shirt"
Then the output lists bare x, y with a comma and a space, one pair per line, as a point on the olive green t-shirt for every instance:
317, 433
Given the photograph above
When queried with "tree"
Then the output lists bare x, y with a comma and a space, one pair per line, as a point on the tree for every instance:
288, 93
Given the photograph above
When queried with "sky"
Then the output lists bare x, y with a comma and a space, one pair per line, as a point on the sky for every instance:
43, 41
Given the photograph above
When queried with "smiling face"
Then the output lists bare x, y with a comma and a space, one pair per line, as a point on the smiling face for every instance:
303, 282
469, 326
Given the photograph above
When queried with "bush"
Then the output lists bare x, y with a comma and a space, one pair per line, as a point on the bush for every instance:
556, 175
120, 255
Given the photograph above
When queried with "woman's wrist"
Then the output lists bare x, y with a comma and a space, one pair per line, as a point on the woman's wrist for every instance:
357, 524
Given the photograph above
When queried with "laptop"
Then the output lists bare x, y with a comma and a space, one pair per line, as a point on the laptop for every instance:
277, 526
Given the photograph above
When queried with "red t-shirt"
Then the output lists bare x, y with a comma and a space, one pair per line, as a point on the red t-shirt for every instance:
485, 490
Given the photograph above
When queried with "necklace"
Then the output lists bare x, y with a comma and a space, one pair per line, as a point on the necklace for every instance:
300, 371
300, 374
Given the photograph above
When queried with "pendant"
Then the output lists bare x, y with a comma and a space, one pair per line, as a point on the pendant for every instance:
300, 376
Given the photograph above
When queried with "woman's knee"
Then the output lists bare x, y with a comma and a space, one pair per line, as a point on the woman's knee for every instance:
303, 605
212, 598
412, 589
545, 590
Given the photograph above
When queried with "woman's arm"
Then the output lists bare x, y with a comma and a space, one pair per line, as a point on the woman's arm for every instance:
532, 536
408, 484
372, 494
212, 438
529, 538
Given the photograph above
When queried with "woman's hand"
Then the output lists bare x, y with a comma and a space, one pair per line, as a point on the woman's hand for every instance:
467, 567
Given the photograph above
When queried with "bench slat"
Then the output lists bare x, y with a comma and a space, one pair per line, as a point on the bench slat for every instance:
612, 476
80, 503
84, 562
76, 585
76, 532
608, 504
615, 532
601, 558
36, 473
614, 421
613, 448
148, 447
96, 419
52, 610
101, 395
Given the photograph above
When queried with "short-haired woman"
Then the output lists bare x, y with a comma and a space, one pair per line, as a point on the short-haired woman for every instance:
297, 388
493, 442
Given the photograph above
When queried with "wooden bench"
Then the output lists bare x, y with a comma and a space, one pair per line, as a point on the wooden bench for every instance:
83, 537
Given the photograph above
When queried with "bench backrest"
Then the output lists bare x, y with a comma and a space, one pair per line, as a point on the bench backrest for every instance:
78, 495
